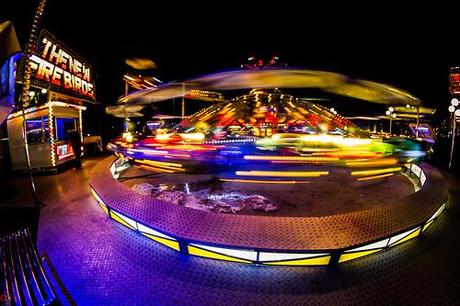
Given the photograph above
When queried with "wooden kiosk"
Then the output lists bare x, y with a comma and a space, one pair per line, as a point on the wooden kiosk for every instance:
47, 129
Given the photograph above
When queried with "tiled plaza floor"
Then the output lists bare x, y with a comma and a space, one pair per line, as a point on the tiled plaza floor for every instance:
100, 262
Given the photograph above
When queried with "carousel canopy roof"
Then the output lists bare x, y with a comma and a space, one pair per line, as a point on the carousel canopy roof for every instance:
270, 78
270, 109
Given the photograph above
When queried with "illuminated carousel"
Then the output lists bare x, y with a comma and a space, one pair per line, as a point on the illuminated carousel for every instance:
267, 177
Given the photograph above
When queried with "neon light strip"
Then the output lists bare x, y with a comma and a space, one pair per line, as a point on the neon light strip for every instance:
422, 179
123, 219
147, 230
80, 119
51, 134
178, 156
132, 224
96, 196
291, 158
372, 172
48, 104
367, 178
427, 225
408, 237
373, 163
60, 157
193, 250
398, 237
315, 261
63, 104
440, 209
282, 173
375, 245
353, 255
154, 169
271, 256
26, 111
238, 253
162, 164
147, 152
263, 182
173, 244
157, 164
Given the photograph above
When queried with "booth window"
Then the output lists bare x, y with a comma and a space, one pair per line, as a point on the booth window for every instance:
37, 130
64, 126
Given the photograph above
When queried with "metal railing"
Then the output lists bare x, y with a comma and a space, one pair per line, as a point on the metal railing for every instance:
22, 276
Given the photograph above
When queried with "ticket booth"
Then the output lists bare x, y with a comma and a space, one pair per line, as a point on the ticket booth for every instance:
47, 129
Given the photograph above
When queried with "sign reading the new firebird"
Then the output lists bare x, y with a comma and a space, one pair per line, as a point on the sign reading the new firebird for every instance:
57, 65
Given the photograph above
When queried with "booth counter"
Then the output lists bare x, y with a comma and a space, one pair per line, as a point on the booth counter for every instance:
47, 129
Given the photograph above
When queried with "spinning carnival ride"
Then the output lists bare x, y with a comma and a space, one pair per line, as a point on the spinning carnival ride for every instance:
276, 130
266, 136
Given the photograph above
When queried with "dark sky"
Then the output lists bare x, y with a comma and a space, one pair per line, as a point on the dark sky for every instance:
411, 48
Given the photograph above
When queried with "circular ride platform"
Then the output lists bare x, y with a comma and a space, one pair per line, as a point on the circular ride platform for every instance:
223, 191
274, 240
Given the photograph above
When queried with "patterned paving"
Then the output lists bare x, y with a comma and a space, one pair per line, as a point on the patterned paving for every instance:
103, 263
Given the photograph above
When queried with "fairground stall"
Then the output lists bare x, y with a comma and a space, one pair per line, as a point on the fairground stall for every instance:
62, 86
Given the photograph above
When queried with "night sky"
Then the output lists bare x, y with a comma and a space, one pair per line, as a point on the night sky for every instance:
411, 49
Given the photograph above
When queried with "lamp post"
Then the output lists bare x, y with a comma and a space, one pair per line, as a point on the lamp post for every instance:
392, 115
183, 102
455, 112
138, 82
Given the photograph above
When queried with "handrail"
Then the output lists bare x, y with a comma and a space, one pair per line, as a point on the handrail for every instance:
22, 273
22, 269
3, 253
50, 292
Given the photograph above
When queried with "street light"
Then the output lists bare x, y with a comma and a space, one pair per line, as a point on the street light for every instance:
392, 115
455, 112
138, 81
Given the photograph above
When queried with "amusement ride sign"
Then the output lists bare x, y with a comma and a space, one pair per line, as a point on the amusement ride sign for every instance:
455, 80
61, 69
